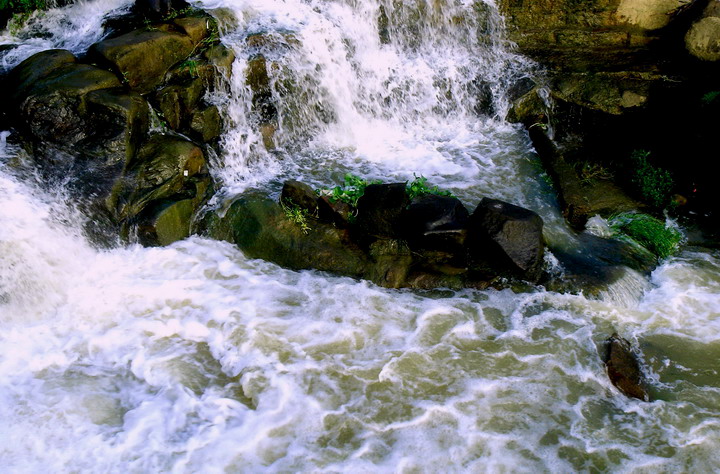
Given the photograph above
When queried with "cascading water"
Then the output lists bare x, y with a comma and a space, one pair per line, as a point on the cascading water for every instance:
194, 358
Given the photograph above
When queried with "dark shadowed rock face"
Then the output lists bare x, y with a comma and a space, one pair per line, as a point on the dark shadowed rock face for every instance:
435, 222
380, 210
623, 368
507, 236
158, 9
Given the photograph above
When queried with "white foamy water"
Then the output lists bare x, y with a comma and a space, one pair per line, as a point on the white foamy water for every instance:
194, 358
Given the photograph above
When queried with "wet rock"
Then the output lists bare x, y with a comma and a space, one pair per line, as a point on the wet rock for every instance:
703, 39
142, 57
580, 198
196, 27
177, 102
337, 212
301, 195
207, 124
379, 210
392, 263
221, 58
120, 122
34, 68
260, 227
623, 368
50, 108
435, 222
164, 167
508, 237
169, 220
258, 80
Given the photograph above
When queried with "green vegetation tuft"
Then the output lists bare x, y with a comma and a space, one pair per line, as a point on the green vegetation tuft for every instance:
419, 187
352, 190
647, 231
22, 6
297, 215
654, 184
710, 97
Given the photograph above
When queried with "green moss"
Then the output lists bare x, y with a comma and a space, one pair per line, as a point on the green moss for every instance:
647, 231
653, 183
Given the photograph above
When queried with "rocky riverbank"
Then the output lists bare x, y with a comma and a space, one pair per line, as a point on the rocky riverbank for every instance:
623, 78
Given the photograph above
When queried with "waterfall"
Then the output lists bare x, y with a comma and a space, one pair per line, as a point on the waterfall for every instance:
195, 358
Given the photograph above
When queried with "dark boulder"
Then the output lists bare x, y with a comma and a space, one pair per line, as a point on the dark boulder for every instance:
50, 109
301, 195
119, 121
508, 237
380, 209
435, 222
335, 211
623, 368
158, 9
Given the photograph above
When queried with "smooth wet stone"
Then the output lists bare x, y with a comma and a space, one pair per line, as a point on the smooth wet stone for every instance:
623, 368
507, 236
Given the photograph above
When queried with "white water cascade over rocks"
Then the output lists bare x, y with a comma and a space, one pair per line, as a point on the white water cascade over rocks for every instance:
193, 357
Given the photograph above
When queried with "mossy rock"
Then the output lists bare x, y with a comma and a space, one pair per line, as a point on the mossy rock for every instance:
170, 220
163, 168
207, 124
261, 228
34, 68
142, 57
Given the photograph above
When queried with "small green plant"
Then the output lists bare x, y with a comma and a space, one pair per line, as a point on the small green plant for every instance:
419, 187
22, 6
177, 13
710, 97
647, 231
191, 66
653, 183
352, 190
297, 215
590, 172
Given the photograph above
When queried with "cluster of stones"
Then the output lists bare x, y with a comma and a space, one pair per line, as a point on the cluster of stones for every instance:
427, 242
88, 121
620, 75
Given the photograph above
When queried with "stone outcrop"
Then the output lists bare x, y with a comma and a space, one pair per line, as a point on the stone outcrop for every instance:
427, 242
621, 75
88, 125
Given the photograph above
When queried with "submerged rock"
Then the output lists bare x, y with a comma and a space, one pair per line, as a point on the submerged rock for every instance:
623, 368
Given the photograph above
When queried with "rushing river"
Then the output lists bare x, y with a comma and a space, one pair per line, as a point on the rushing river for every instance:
194, 358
